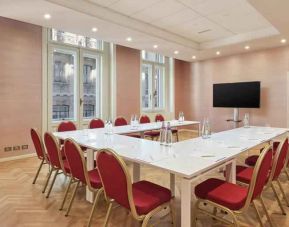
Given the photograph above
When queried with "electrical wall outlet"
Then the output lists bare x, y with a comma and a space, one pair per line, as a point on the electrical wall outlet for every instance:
16, 148
7, 149
24, 147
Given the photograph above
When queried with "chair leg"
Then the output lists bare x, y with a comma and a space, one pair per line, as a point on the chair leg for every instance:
38, 171
72, 199
266, 212
283, 193
146, 221
47, 180
172, 212
52, 183
94, 205
66, 193
286, 171
236, 223
177, 135
278, 200
107, 214
258, 214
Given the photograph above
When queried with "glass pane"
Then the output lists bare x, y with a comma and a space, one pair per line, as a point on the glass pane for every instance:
153, 57
91, 87
64, 72
146, 78
77, 40
158, 94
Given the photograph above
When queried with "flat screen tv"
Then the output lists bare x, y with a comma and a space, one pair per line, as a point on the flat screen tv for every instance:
237, 95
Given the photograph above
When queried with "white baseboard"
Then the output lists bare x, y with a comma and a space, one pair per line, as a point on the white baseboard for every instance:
17, 157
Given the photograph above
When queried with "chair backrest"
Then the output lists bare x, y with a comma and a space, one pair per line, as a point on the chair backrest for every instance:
76, 161
66, 126
120, 121
53, 150
159, 117
38, 144
260, 175
96, 123
115, 179
281, 159
144, 119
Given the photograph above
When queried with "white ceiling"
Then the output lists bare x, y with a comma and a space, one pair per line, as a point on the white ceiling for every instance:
193, 27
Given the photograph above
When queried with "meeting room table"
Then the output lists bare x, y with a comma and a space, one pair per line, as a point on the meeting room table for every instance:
188, 159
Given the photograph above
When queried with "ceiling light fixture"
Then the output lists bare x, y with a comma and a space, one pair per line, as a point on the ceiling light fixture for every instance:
47, 16
218, 53
155, 46
176, 52
283, 41
194, 57
247, 47
94, 29
129, 39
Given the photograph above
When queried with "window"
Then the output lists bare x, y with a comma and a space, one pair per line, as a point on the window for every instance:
75, 64
153, 81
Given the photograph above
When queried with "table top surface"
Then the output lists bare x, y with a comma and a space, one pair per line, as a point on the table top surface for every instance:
186, 158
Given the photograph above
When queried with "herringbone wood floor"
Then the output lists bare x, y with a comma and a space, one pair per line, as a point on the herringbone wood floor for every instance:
23, 204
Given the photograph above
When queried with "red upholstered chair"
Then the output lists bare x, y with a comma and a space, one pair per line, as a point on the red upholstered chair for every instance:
121, 121
143, 198
57, 162
66, 126
79, 174
96, 123
244, 174
251, 160
161, 118
232, 198
40, 151
144, 119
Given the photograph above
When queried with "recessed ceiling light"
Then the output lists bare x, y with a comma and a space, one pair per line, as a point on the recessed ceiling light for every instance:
155, 46
283, 41
176, 52
247, 47
194, 57
129, 39
94, 29
218, 53
47, 16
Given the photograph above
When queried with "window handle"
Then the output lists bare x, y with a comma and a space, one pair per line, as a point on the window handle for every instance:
80, 101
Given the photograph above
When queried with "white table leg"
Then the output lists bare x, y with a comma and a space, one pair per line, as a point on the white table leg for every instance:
186, 195
136, 172
172, 183
231, 172
90, 166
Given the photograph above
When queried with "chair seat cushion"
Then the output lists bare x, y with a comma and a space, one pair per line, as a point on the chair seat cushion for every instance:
221, 192
152, 133
251, 160
133, 135
244, 174
94, 178
147, 196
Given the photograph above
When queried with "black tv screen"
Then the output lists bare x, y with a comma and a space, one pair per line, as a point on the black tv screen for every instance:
237, 95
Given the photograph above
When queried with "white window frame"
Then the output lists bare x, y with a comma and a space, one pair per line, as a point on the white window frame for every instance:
154, 65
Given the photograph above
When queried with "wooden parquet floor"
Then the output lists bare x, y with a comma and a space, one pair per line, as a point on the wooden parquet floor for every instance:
23, 204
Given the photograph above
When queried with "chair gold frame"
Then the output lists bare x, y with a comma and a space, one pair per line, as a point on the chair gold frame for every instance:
44, 161
235, 213
144, 219
88, 184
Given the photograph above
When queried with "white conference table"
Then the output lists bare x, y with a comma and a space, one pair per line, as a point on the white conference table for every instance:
187, 159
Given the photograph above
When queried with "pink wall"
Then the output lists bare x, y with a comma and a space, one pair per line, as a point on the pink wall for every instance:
20, 83
268, 66
128, 81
